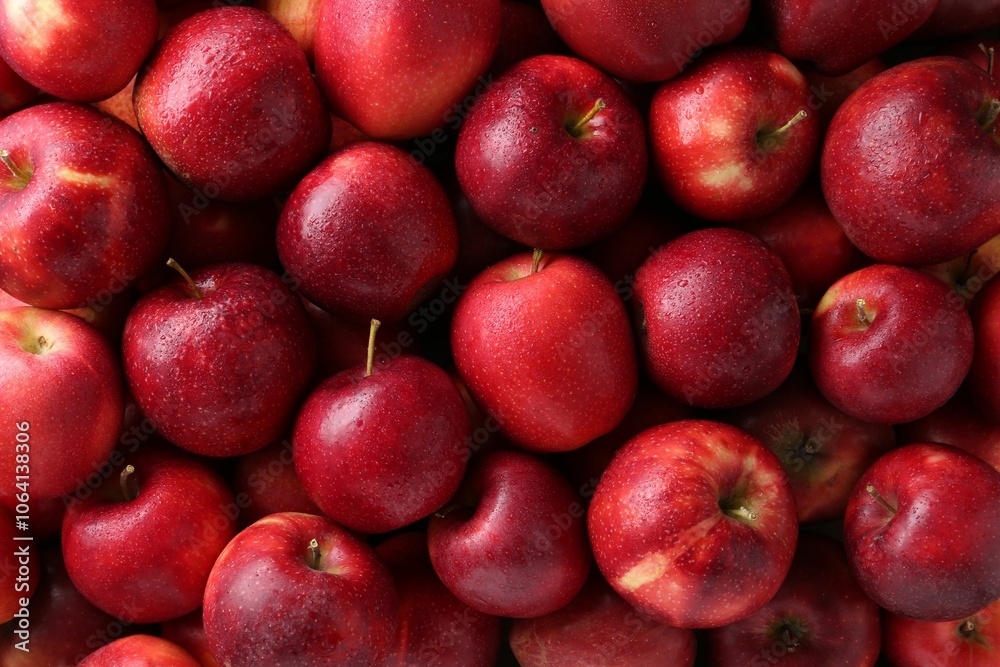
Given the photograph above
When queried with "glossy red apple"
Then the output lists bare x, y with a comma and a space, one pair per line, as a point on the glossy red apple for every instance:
513, 542
546, 350
296, 590
973, 641
553, 154
717, 318
984, 378
889, 344
267, 481
140, 651
693, 523
275, 125
921, 544
957, 423
188, 632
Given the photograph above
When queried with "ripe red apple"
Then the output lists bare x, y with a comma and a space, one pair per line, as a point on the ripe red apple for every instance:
829, 92
733, 137
973, 641
840, 36
219, 361
15, 92
267, 480
188, 632
435, 628
513, 541
819, 612
301, 18
107, 313
693, 523
296, 590
544, 345
140, 651
553, 154
62, 385
368, 233
921, 534
717, 318
394, 69
652, 40
81, 51
930, 121
599, 628
957, 423
889, 344
18, 569
956, 18
264, 123
984, 378
83, 206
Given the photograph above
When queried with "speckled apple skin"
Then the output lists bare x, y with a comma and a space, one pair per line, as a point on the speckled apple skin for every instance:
662, 540
913, 130
378, 453
228, 103
717, 318
938, 558
531, 180
70, 396
653, 40
80, 51
516, 546
841, 36
148, 559
912, 643
94, 215
704, 130
368, 233
265, 606
908, 362
140, 651
984, 377
397, 70
221, 375
550, 356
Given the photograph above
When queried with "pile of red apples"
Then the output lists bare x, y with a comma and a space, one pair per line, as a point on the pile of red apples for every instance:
463, 333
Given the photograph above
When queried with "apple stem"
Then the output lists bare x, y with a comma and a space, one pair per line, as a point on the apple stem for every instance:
862, 313
991, 115
742, 513
314, 554
123, 482
172, 263
581, 124
447, 509
791, 639
878, 497
967, 628
989, 53
536, 260
371, 347
22, 176
795, 120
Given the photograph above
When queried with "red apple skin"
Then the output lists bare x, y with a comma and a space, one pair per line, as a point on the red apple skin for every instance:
819, 612
514, 542
174, 529
268, 481
973, 641
120, 106
379, 452
921, 121
957, 18
710, 133
838, 36
276, 126
300, 18
717, 318
984, 378
525, 32
937, 558
436, 628
242, 395
107, 313
52, 45
653, 40
92, 216
548, 355
403, 87
264, 605
18, 571
15, 92
140, 651
188, 632
599, 628
72, 376
665, 532
529, 177
957, 423
368, 233
908, 355
829, 92
810, 243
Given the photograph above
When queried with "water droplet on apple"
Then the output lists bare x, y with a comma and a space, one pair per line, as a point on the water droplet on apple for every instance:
699, 90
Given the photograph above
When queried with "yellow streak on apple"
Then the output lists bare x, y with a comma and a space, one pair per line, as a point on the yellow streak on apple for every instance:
75, 177
40, 23
653, 566
728, 176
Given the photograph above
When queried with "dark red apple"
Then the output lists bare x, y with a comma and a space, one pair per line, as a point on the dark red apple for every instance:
140, 651
984, 378
973, 641
967, 275
976, 50
188, 632
525, 32
15, 92
267, 480
829, 92
956, 18
957, 423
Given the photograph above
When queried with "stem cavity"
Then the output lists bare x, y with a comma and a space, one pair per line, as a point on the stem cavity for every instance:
21, 177
536, 260
577, 129
126, 487
880, 500
172, 263
315, 555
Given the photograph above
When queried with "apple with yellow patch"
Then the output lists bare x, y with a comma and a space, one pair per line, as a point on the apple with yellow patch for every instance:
734, 137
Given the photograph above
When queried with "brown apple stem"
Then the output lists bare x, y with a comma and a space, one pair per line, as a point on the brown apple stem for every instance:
581, 124
991, 115
536, 260
22, 176
967, 627
795, 120
742, 513
314, 554
989, 53
862, 313
447, 509
172, 263
123, 482
878, 497
791, 640
371, 347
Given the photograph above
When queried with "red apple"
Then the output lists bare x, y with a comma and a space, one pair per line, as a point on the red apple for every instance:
717, 318
957, 423
219, 361
188, 632
889, 344
984, 378
513, 542
296, 590
973, 641
15, 92
829, 92
106, 313
693, 523
545, 348
267, 481
262, 126
553, 154
921, 533
62, 384
300, 17
140, 651
956, 18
